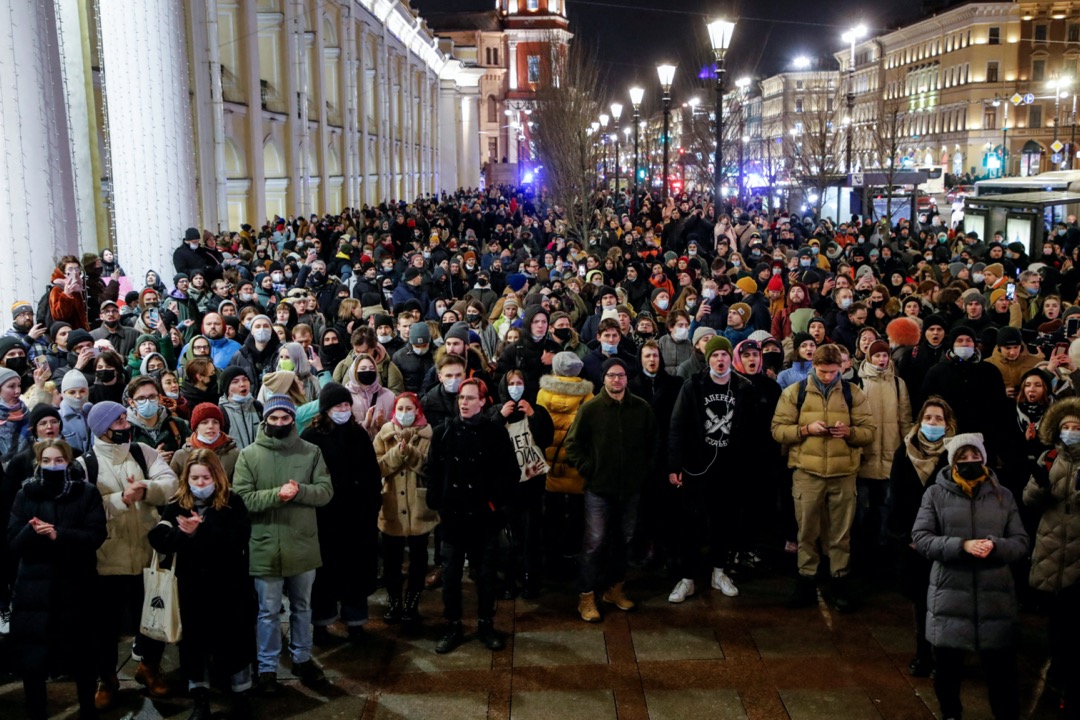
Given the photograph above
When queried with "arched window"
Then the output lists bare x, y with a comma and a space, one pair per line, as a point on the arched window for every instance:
492, 109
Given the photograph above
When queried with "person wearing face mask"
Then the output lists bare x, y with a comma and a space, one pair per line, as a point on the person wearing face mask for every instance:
152, 423
348, 538
73, 410
207, 433
207, 529
238, 403
415, 359
531, 429
405, 520
608, 300
533, 353
57, 523
915, 465
283, 480
293, 358
675, 347
259, 354
372, 403
134, 480
968, 525
1055, 563
189, 257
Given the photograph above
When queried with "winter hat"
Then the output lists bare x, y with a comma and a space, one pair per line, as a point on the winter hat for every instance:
816, 320
973, 295
760, 335
997, 269
457, 331
878, 346
958, 332
742, 310
717, 343
7, 374
747, 285
800, 319
279, 402
226, 376
56, 327
955, 268
799, 338
335, 393
206, 411
1009, 337
192, 234
903, 332
863, 270
39, 413
412, 273
775, 284
612, 362
73, 380
958, 442
702, 332
936, 320
78, 336
997, 295
178, 277
419, 334
566, 364
21, 306
516, 281
102, 415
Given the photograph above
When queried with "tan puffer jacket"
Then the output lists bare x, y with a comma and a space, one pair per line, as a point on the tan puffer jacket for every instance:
1055, 559
824, 456
404, 510
561, 397
890, 406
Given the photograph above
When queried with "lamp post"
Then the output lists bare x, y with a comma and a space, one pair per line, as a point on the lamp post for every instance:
637, 94
743, 85
616, 113
851, 37
603, 143
720, 32
594, 126
666, 73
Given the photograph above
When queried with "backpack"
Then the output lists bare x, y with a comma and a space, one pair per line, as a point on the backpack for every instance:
92, 465
845, 387
43, 315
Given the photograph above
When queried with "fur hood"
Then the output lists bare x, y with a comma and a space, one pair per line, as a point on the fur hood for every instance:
576, 387
1048, 427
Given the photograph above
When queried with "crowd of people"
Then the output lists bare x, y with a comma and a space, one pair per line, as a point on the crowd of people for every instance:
313, 404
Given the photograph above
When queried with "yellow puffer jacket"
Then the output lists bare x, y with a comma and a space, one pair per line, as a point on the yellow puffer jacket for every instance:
890, 406
562, 396
823, 455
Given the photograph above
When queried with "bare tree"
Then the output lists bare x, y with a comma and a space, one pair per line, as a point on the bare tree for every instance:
885, 132
566, 103
814, 150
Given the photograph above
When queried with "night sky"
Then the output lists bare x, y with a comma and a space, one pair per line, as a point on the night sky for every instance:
632, 36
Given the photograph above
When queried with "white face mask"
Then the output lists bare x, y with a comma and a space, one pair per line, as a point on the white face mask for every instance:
964, 353
405, 419
515, 391
451, 385
261, 335
340, 417
680, 334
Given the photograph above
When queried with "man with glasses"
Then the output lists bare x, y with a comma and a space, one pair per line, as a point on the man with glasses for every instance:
612, 443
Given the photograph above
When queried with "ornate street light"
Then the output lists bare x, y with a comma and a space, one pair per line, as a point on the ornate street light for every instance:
720, 32
666, 73
637, 94
851, 36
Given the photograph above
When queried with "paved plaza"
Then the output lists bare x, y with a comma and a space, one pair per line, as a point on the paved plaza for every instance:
711, 657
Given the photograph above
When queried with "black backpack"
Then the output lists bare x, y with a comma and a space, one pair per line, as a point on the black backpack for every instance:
43, 315
845, 387
92, 465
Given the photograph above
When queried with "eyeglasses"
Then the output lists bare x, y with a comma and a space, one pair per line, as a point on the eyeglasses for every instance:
616, 376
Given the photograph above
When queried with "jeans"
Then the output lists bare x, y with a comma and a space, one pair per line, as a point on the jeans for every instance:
999, 667
609, 528
270, 591
121, 596
481, 547
393, 548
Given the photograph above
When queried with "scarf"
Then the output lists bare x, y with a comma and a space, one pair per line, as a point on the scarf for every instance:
50, 484
1029, 413
968, 486
822, 386
923, 454
195, 442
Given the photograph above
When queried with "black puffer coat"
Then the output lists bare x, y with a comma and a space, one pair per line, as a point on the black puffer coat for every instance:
56, 580
971, 601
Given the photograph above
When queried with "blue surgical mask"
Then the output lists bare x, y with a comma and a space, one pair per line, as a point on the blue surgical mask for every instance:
451, 385
609, 349
239, 398
1032, 291
340, 417
202, 493
405, 419
964, 353
1070, 437
146, 408
515, 391
933, 433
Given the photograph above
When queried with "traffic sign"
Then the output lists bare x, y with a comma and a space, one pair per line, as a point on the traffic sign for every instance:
1057, 146
1056, 157
1029, 98
1016, 99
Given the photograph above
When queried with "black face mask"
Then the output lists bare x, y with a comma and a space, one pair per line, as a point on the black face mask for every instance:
53, 481
472, 318
563, 334
970, 470
119, 437
106, 376
18, 364
367, 377
278, 432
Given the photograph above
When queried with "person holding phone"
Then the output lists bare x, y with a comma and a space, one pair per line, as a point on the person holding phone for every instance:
67, 301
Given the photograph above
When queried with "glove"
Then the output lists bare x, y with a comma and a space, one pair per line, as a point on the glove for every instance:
1041, 476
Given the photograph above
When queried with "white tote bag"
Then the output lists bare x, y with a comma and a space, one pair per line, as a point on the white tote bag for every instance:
161, 602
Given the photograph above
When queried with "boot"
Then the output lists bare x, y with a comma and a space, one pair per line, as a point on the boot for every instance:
489, 636
321, 636
411, 610
805, 593
152, 679
617, 597
586, 607
309, 673
201, 709
106, 692
393, 615
451, 638
841, 592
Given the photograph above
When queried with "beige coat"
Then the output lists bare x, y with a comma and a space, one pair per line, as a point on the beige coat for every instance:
824, 456
126, 551
890, 406
404, 510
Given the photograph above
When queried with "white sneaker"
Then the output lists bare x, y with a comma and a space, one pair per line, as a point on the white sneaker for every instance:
683, 590
5, 622
723, 583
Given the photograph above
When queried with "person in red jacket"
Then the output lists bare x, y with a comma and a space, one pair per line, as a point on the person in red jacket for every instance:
67, 299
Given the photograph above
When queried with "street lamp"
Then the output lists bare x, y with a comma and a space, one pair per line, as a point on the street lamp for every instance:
720, 32
743, 85
666, 74
616, 113
603, 142
851, 37
637, 94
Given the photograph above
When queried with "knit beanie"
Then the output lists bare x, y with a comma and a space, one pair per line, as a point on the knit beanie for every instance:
102, 415
997, 295
958, 442
78, 336
742, 309
73, 379
279, 402
973, 295
7, 374
997, 269
1009, 336
566, 364
775, 284
747, 284
334, 394
878, 346
226, 376
419, 334
206, 411
958, 332
935, 320
701, 333
39, 413
21, 306
612, 362
458, 331
799, 338
718, 342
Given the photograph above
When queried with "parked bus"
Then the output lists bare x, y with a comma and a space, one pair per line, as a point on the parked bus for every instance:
935, 179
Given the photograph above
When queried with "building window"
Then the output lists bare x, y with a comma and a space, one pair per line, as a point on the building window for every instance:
989, 118
1035, 116
995, 36
992, 72
532, 5
798, 105
487, 56
1038, 70
492, 109
494, 56
534, 68
1073, 33
1040, 33
1069, 67
493, 150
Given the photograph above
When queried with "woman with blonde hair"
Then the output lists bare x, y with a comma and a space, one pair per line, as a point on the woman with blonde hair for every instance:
206, 528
